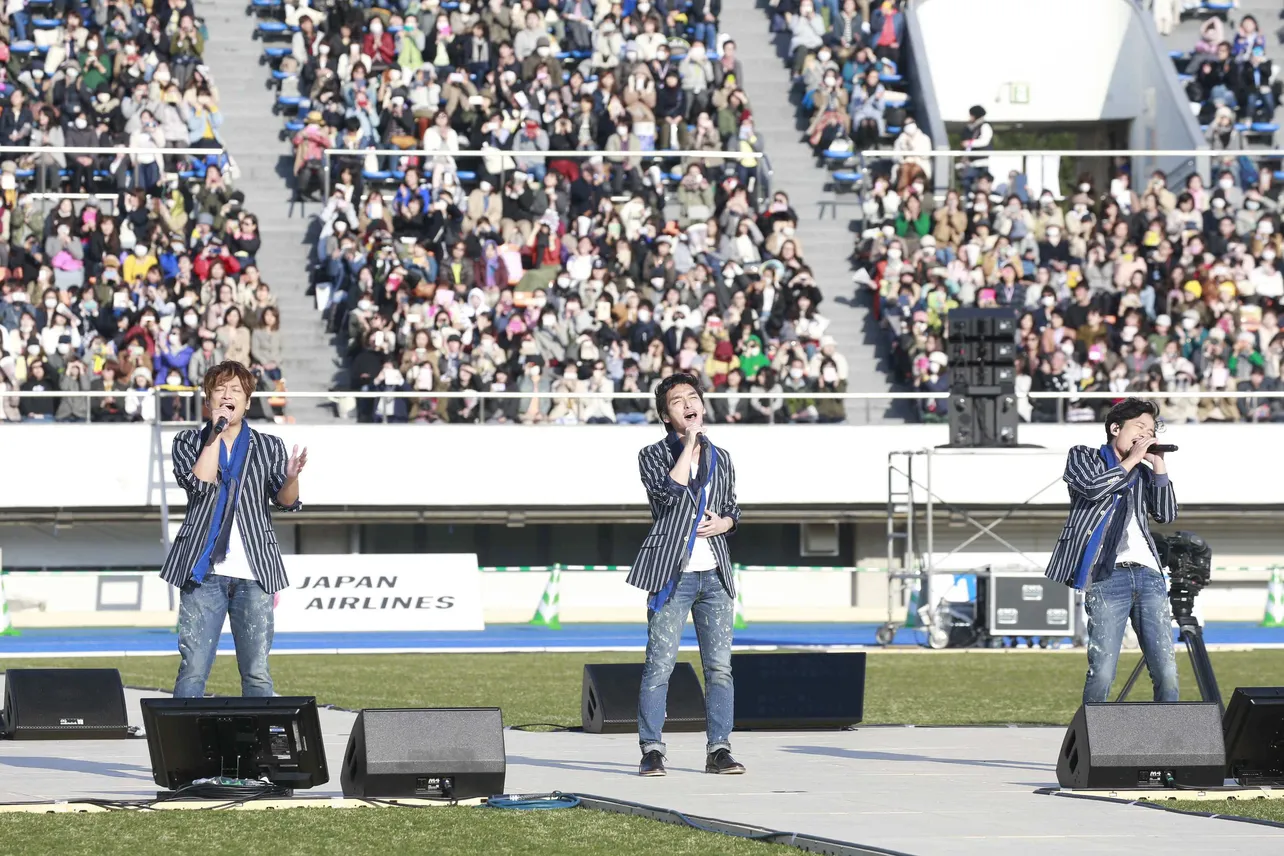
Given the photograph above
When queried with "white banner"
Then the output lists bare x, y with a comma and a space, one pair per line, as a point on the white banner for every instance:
394, 592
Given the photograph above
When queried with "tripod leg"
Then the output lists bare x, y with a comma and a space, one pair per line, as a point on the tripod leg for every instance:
1132, 679
1202, 666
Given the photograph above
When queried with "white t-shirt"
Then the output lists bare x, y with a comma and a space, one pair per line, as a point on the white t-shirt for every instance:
237, 563
1134, 547
702, 558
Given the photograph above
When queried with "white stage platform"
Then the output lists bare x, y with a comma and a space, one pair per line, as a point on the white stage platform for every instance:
914, 790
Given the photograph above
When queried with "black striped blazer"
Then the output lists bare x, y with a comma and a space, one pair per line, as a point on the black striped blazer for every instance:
264, 475
676, 511
1102, 495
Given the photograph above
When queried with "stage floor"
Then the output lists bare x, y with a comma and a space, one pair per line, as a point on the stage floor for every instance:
512, 638
914, 790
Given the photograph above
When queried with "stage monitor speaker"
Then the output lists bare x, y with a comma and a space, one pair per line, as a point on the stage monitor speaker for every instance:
976, 323
792, 691
1253, 730
1143, 745
609, 699
64, 704
447, 752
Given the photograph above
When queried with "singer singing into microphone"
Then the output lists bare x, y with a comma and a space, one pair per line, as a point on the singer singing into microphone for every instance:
225, 559
685, 566
1106, 548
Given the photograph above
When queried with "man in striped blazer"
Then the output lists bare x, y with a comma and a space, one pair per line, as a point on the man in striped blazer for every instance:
1106, 547
685, 566
225, 559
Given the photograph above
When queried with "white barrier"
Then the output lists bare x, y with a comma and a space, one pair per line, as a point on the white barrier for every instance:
381, 466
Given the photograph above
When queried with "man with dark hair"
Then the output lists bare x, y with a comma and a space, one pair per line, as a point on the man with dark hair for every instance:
1106, 547
685, 566
225, 559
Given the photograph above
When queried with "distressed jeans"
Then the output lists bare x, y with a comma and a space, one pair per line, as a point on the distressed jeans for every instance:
1119, 595
201, 609
703, 596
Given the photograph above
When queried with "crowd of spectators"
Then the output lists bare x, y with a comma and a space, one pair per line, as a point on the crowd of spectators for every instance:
523, 272
1162, 285
1231, 82
120, 272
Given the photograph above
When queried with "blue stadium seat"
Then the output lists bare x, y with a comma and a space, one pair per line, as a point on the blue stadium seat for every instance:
890, 78
846, 178
892, 130
45, 23
282, 75
283, 101
294, 126
1219, 5
22, 47
276, 53
1263, 127
25, 173
466, 175
376, 175
266, 4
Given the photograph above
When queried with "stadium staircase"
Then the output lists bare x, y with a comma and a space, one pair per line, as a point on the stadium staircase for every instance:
826, 217
1181, 41
251, 134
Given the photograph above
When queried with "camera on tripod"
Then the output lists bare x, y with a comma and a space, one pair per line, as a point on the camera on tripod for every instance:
1189, 560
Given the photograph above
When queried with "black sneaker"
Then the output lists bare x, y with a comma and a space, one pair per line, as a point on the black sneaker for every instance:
722, 763
652, 764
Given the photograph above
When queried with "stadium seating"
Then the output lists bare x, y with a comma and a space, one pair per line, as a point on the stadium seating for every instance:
127, 272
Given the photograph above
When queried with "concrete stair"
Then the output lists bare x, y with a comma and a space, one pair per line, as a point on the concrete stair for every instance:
251, 133
827, 220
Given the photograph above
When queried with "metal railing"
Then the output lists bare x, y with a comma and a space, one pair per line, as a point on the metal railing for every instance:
650, 157
193, 398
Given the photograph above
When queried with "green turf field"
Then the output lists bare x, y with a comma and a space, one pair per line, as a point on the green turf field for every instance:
1261, 809
361, 831
919, 687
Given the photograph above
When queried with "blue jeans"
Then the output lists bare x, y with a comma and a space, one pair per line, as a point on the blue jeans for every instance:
1115, 597
201, 609
713, 611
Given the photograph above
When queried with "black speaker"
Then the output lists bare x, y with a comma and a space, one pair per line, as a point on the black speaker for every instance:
449, 752
1253, 730
983, 420
609, 699
1143, 745
791, 691
64, 704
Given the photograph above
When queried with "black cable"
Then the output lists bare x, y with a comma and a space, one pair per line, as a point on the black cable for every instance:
551, 726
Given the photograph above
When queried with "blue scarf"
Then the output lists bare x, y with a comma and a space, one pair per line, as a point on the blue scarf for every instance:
696, 486
1094, 541
230, 469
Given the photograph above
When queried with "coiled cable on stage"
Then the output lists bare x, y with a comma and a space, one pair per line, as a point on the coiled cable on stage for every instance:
533, 802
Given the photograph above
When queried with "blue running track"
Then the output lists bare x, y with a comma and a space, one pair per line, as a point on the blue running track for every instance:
510, 638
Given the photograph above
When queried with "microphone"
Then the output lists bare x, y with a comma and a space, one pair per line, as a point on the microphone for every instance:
220, 425
1163, 447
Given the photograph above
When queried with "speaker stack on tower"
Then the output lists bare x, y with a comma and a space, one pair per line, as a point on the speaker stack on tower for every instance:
982, 354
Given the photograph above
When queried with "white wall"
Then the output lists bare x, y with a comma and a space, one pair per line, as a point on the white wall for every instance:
360, 466
1062, 53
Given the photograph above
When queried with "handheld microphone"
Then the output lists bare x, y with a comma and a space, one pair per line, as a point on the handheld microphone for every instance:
220, 425
1163, 447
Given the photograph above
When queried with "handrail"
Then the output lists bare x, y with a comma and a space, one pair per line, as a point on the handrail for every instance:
551, 153
1228, 154
107, 150
784, 393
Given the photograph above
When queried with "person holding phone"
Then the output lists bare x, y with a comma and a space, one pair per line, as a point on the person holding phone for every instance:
1106, 549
